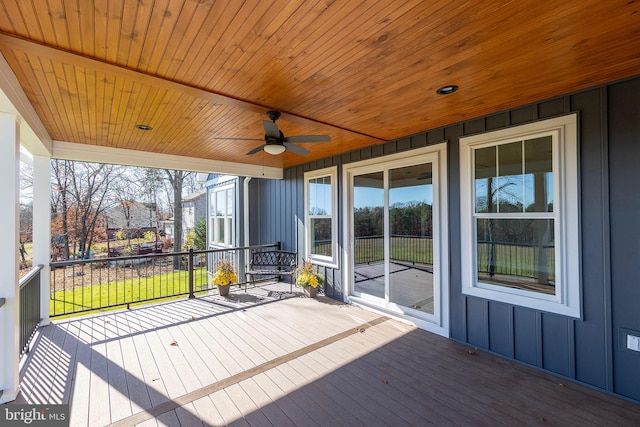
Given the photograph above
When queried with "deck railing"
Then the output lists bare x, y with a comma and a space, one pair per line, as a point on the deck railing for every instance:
403, 248
97, 284
508, 258
29, 307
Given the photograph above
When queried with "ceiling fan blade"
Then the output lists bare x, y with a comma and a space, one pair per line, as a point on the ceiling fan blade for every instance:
241, 139
308, 138
255, 150
295, 149
271, 129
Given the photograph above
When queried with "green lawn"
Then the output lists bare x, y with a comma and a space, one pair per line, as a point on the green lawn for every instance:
128, 291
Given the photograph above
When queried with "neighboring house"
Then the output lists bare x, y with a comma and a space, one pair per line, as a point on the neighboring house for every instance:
194, 207
226, 212
166, 227
131, 215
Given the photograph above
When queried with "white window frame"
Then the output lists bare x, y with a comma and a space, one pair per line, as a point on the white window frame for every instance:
228, 230
331, 261
567, 297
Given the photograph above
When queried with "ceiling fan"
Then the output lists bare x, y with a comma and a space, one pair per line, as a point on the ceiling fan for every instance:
277, 143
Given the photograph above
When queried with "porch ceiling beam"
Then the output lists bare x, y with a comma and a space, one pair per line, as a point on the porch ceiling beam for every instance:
13, 100
119, 156
8, 41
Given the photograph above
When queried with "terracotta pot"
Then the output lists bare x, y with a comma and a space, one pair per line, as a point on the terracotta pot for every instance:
223, 290
311, 291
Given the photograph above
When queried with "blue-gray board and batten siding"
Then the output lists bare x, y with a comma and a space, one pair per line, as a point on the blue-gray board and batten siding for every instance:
589, 350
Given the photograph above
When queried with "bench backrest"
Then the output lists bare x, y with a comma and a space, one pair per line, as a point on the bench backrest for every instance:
273, 259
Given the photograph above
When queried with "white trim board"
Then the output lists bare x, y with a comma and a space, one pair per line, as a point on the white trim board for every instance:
120, 156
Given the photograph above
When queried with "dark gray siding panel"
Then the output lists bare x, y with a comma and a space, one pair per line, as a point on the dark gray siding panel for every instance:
526, 335
592, 338
501, 327
456, 299
556, 343
624, 151
524, 115
477, 313
552, 108
497, 121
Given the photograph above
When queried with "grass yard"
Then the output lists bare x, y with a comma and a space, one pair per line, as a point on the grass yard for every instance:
127, 291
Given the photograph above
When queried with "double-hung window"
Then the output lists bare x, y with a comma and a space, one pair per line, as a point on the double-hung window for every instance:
519, 213
221, 208
320, 216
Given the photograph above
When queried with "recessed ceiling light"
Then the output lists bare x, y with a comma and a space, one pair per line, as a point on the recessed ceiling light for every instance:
144, 127
446, 90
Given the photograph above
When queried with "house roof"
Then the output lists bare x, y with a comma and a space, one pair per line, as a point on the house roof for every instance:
198, 72
193, 196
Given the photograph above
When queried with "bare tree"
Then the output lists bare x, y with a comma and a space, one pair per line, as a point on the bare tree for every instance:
176, 179
79, 198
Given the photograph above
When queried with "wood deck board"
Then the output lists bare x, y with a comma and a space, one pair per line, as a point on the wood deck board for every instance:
416, 390
455, 374
261, 399
117, 365
312, 400
457, 381
252, 415
289, 404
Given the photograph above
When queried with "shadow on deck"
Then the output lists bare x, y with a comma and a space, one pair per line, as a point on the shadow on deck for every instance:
257, 359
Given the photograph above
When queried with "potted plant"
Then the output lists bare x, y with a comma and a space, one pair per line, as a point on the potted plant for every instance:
225, 275
308, 279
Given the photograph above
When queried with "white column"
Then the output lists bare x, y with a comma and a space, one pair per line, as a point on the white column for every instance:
9, 238
42, 229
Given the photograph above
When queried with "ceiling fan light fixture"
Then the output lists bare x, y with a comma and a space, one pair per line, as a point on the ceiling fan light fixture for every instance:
446, 90
274, 149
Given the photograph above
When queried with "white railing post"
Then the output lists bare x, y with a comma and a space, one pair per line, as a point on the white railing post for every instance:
42, 229
9, 236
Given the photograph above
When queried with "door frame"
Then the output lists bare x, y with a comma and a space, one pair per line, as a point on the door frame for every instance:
438, 322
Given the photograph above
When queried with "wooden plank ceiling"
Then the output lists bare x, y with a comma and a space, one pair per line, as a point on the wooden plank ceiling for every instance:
362, 72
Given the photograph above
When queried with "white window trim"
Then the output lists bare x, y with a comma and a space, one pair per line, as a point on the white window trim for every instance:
331, 261
212, 217
567, 299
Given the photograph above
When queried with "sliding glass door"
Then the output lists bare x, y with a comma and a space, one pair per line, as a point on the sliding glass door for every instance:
394, 231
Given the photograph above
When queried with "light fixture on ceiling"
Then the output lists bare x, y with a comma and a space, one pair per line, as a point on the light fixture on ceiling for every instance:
446, 90
143, 127
274, 149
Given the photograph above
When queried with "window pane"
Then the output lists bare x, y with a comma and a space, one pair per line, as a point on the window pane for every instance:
510, 180
485, 173
220, 208
538, 168
228, 232
368, 229
212, 203
410, 240
320, 196
320, 236
230, 201
220, 230
516, 253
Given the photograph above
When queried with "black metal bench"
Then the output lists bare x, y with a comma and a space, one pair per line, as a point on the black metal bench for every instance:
272, 263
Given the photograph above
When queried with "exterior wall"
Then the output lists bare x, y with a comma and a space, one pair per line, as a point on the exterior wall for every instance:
193, 209
202, 205
591, 349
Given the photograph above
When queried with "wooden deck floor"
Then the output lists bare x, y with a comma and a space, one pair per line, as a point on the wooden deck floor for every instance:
260, 361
